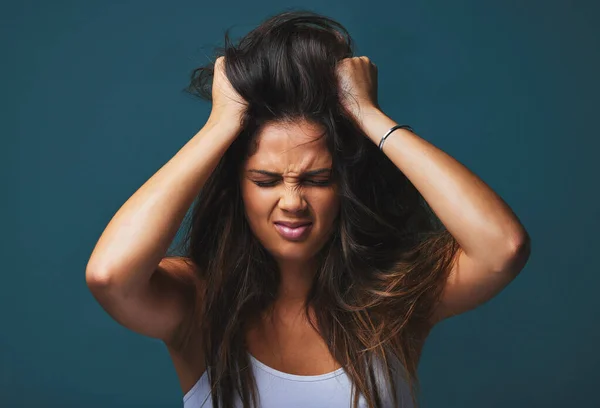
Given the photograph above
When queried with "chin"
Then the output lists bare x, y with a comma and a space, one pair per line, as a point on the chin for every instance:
292, 252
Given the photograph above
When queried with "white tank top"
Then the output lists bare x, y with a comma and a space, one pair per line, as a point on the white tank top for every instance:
279, 389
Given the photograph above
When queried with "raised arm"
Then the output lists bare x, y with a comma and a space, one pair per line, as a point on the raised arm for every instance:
126, 272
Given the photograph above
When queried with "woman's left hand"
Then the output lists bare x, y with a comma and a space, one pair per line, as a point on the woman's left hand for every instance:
357, 84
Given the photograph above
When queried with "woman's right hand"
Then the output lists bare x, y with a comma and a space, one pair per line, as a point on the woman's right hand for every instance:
227, 104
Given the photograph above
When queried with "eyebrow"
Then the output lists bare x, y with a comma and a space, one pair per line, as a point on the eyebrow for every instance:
306, 173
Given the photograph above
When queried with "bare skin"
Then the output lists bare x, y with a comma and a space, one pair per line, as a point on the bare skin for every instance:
150, 294
286, 343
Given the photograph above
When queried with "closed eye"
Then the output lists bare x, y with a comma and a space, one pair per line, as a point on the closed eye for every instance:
318, 182
309, 182
266, 183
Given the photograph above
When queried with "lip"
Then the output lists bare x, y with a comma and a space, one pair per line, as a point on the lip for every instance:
293, 231
293, 224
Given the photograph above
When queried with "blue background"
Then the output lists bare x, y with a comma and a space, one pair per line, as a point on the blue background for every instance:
92, 106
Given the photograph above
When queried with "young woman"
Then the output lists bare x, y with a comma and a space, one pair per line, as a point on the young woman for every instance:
318, 256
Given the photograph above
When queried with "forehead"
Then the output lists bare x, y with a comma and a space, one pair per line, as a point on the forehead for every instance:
290, 147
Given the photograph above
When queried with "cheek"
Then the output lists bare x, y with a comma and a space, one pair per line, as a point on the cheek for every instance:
257, 202
325, 204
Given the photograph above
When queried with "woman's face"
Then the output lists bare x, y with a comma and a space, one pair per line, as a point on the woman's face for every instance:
289, 198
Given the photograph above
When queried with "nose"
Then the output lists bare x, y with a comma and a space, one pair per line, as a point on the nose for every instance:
292, 200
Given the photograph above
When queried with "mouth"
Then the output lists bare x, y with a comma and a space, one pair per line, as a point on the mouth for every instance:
293, 232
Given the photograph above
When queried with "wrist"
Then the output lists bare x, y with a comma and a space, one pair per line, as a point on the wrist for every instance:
376, 124
231, 123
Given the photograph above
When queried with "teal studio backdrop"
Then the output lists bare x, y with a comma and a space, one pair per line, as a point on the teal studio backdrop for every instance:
92, 106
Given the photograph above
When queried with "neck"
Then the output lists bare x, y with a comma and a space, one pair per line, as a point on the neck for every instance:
296, 278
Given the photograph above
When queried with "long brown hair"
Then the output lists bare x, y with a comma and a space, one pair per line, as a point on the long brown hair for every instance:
382, 270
